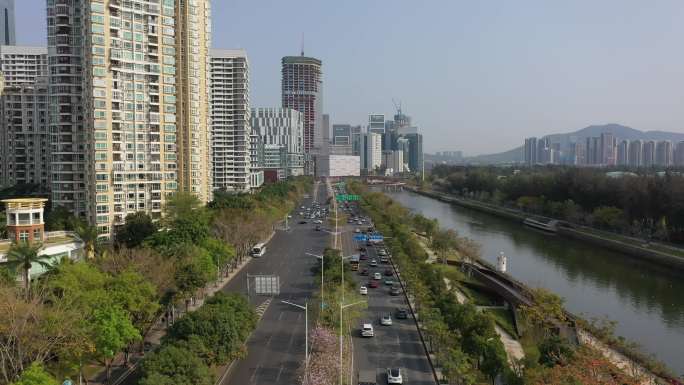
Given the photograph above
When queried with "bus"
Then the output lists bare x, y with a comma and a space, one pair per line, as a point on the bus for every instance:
354, 262
258, 250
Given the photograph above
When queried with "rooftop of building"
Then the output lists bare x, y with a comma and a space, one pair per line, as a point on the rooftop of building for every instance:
23, 50
301, 60
54, 238
227, 53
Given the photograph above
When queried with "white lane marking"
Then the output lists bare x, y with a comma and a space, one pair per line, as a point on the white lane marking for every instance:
279, 373
280, 316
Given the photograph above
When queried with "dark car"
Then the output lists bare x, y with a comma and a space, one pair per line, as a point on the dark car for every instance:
362, 248
395, 290
402, 313
364, 272
373, 284
302, 222
318, 227
388, 272
363, 257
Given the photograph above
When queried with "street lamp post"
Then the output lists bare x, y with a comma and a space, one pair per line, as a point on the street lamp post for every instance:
306, 335
321, 258
342, 307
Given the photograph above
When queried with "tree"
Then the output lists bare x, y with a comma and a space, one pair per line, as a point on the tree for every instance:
136, 296
493, 359
138, 226
35, 375
59, 219
609, 217
111, 332
444, 242
174, 364
22, 256
546, 312
555, 350
87, 234
222, 325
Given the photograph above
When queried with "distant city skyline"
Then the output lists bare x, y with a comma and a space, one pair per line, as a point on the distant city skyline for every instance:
496, 72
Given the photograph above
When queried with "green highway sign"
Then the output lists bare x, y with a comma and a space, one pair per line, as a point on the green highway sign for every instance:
347, 197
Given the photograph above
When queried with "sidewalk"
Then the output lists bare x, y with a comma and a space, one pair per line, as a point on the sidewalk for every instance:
120, 373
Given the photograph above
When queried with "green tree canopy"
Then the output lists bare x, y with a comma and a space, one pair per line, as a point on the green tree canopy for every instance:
138, 226
173, 364
36, 375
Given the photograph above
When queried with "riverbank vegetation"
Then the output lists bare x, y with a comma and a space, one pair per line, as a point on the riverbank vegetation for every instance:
645, 206
466, 346
86, 317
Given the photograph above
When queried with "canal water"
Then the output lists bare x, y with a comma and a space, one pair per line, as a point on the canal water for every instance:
646, 301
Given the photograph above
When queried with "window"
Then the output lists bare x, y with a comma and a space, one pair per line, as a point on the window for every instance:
23, 235
37, 234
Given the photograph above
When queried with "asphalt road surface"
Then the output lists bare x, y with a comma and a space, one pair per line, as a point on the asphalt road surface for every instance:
276, 348
397, 345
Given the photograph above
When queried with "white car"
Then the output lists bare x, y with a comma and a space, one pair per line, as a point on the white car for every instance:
363, 290
377, 276
386, 320
357, 231
318, 221
394, 376
367, 331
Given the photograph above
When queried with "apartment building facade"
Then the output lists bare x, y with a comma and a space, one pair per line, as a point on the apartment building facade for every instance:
230, 120
24, 135
128, 105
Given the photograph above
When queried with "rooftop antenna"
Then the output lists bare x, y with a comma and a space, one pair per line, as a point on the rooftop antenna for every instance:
397, 106
302, 51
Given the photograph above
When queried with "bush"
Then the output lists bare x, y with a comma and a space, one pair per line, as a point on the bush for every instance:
175, 364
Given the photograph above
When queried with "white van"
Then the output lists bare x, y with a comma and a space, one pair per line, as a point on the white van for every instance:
258, 250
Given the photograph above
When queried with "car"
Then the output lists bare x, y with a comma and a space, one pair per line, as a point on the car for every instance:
386, 320
302, 222
363, 257
318, 221
289, 215
362, 248
302, 207
364, 272
373, 284
402, 313
318, 227
384, 259
357, 230
301, 214
350, 221
367, 330
373, 263
388, 272
395, 290
382, 252
363, 290
377, 276
394, 376
389, 282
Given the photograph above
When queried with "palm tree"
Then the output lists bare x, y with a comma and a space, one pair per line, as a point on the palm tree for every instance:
22, 255
88, 235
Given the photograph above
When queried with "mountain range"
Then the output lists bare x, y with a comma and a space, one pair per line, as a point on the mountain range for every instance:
621, 133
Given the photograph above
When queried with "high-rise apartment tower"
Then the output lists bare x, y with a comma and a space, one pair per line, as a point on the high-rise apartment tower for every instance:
302, 90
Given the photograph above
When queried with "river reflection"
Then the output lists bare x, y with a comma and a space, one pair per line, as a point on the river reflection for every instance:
647, 301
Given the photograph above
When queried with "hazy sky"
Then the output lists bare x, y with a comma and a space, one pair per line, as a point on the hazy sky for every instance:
476, 76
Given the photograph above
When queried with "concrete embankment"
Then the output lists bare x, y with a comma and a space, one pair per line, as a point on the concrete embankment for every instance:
628, 247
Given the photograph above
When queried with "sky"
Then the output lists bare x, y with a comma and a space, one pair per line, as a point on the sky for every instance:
476, 76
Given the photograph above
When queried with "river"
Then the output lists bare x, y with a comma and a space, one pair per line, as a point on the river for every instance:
646, 301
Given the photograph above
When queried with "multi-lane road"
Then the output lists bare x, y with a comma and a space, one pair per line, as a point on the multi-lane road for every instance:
396, 346
276, 348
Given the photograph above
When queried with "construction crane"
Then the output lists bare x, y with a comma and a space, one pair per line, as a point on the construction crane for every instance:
397, 106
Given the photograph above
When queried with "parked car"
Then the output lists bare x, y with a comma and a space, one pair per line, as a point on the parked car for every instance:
394, 376
363, 290
402, 313
386, 320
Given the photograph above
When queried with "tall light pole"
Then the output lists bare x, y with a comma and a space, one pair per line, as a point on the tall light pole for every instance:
342, 307
306, 336
321, 258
